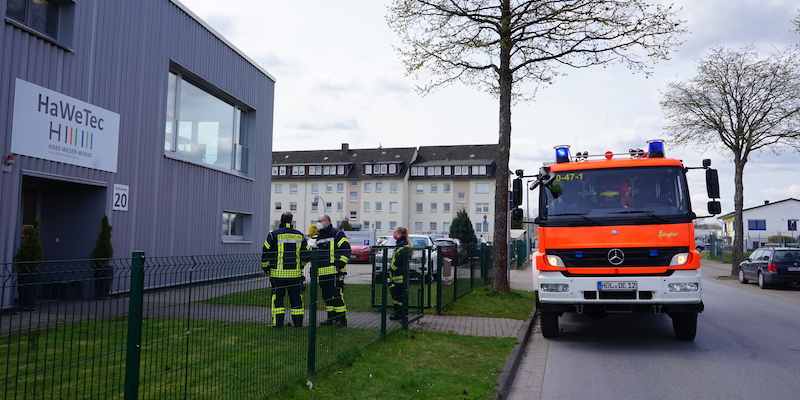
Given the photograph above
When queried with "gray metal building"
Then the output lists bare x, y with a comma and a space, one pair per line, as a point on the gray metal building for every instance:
133, 109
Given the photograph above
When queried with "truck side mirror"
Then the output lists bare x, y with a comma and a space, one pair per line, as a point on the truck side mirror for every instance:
714, 207
712, 184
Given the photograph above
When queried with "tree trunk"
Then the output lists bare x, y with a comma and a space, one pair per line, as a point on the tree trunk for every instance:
738, 205
500, 282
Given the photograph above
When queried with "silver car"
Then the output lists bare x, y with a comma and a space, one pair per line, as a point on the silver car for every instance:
423, 257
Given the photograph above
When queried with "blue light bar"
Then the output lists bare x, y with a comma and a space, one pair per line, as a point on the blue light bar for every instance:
562, 154
653, 253
578, 254
656, 148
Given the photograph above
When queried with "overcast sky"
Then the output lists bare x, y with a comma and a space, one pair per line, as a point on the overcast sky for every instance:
340, 81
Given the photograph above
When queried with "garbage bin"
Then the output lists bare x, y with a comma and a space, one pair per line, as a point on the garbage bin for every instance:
447, 271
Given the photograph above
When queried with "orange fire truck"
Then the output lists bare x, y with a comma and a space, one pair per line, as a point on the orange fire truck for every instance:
616, 235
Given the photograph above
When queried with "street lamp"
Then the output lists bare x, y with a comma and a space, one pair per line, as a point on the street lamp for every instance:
315, 202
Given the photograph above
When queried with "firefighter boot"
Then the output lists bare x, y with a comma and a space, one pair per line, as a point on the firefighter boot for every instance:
329, 321
297, 321
340, 321
278, 323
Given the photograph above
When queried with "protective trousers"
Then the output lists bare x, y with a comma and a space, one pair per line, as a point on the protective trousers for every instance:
294, 287
332, 288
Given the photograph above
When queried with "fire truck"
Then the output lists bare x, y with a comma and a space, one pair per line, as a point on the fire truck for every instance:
616, 235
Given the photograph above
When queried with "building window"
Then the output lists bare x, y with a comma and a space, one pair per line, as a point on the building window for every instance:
367, 187
378, 206
481, 188
354, 183
392, 168
353, 197
481, 227
433, 207
366, 206
478, 170
353, 215
393, 206
433, 226
366, 224
298, 170
418, 207
481, 207
340, 169
446, 207
293, 206
233, 225
419, 188
278, 206
53, 19
315, 188
282, 171
293, 188
328, 188
392, 225
434, 187
462, 197
339, 206
757, 224
417, 226
278, 188
203, 128
448, 170
368, 169
378, 187
378, 225
446, 188
340, 188
393, 187
446, 226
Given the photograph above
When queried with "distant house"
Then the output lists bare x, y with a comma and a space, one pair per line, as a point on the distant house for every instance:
761, 222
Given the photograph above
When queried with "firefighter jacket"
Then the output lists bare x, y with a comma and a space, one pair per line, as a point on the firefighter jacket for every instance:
399, 260
285, 253
333, 251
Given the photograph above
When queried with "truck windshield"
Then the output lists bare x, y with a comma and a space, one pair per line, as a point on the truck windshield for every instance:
615, 196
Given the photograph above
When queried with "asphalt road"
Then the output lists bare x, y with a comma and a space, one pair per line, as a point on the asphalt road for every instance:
747, 347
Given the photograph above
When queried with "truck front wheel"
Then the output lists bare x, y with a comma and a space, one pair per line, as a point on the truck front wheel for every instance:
685, 325
549, 323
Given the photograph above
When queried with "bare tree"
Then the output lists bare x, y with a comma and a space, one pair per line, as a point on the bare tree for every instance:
498, 45
737, 103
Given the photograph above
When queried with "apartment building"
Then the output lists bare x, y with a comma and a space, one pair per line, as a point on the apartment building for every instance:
377, 189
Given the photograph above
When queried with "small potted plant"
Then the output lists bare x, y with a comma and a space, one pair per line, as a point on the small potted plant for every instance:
103, 270
29, 257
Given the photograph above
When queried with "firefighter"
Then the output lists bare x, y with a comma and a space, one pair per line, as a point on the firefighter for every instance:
333, 249
398, 270
285, 253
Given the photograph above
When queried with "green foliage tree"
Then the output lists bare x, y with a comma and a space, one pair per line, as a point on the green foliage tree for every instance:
780, 239
345, 225
30, 249
103, 250
461, 228
498, 45
739, 104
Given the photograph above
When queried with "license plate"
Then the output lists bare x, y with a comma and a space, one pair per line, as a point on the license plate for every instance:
353, 256
616, 286
793, 269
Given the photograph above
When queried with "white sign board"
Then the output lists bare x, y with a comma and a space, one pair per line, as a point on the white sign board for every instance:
361, 238
120, 198
52, 126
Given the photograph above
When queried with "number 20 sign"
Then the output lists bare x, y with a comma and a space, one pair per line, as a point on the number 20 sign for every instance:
120, 198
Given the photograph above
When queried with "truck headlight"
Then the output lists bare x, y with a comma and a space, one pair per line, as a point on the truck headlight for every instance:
554, 261
683, 287
554, 287
679, 259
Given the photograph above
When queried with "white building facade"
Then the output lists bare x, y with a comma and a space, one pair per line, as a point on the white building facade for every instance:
769, 219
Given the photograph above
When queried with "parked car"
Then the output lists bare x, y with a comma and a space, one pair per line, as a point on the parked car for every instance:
423, 258
452, 249
360, 254
475, 249
435, 236
770, 266
381, 240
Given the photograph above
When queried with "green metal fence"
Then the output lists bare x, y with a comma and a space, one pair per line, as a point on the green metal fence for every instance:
179, 327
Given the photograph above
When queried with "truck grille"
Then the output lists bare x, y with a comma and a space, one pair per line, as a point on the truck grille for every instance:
634, 256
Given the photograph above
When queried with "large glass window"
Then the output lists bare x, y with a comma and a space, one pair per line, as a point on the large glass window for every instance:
203, 128
51, 18
757, 224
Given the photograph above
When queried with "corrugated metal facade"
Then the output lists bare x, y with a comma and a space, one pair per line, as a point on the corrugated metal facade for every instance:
119, 59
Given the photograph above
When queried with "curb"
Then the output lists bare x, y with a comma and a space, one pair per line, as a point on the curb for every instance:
506, 378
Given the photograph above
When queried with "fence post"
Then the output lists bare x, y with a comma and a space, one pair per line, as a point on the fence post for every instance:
312, 315
439, 265
134, 348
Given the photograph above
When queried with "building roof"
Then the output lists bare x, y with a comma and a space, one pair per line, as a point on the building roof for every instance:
766, 204
353, 158
475, 154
